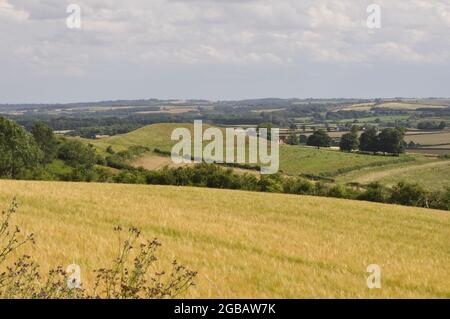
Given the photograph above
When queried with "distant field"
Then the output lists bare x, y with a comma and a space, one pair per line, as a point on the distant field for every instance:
409, 106
383, 118
359, 107
429, 151
442, 137
243, 244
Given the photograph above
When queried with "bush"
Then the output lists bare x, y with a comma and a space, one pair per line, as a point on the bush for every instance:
375, 192
131, 275
408, 194
299, 186
76, 154
337, 191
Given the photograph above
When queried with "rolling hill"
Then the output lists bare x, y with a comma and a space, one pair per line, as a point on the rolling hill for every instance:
243, 244
294, 160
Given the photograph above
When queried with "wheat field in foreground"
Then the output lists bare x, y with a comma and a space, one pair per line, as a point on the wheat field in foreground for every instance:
243, 244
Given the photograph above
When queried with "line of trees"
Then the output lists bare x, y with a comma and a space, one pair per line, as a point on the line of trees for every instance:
389, 140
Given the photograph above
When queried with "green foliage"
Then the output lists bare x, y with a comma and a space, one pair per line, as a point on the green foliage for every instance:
319, 139
77, 154
368, 141
110, 150
303, 139
431, 125
391, 141
120, 160
408, 194
293, 139
349, 142
19, 153
297, 186
375, 192
46, 140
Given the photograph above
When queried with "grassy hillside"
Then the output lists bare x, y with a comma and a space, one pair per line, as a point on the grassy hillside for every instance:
244, 244
294, 160
432, 173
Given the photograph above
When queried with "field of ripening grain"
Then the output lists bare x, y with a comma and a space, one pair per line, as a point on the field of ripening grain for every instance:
242, 244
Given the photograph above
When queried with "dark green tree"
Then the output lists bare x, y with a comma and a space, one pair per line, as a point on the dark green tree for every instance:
391, 141
292, 139
19, 152
46, 140
303, 139
319, 139
77, 155
349, 142
368, 141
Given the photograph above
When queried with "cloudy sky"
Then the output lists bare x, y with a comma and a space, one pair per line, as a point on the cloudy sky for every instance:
222, 49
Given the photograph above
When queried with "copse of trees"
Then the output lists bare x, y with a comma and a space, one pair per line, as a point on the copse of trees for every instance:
431, 125
389, 140
319, 139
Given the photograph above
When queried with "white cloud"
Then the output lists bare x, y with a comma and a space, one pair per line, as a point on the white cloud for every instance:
237, 32
258, 33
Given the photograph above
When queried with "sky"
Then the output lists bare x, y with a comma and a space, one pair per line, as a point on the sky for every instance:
223, 49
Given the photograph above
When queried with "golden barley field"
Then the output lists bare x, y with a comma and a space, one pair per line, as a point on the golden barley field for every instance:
243, 244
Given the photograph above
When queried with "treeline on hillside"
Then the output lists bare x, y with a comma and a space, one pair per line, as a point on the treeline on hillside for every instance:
431, 125
388, 140
39, 155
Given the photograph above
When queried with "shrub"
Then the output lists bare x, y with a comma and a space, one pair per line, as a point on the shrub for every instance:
337, 191
408, 194
298, 186
76, 154
375, 192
